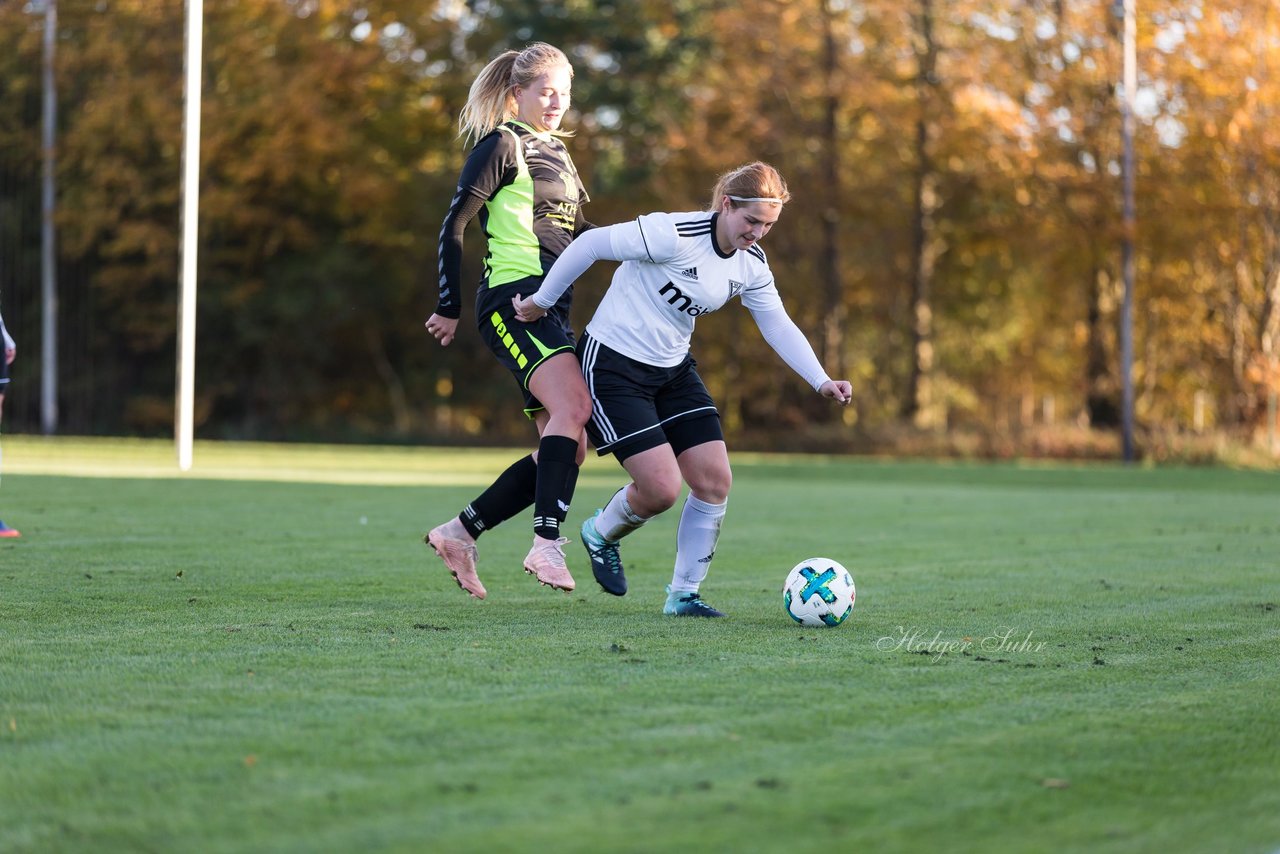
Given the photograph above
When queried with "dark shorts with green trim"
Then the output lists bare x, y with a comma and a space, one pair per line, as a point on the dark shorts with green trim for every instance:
522, 347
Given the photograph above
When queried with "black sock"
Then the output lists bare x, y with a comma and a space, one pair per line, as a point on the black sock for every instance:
557, 455
507, 496
566, 493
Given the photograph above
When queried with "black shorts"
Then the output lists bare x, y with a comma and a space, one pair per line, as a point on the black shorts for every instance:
4, 370
635, 407
522, 347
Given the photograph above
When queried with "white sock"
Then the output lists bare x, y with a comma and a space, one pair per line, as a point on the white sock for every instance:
696, 543
617, 519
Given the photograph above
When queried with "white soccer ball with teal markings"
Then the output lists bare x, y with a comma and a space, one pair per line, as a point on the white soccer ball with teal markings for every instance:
819, 592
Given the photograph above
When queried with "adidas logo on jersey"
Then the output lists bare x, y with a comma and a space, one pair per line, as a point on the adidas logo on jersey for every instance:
691, 273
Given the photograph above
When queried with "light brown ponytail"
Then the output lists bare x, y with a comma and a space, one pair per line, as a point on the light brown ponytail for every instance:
752, 182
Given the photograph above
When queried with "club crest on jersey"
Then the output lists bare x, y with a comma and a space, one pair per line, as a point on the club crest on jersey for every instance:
735, 288
691, 273
570, 186
677, 299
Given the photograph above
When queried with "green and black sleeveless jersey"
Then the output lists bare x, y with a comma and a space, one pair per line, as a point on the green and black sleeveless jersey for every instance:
529, 197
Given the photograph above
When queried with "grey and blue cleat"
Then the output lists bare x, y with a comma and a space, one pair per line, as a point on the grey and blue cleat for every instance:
688, 605
606, 565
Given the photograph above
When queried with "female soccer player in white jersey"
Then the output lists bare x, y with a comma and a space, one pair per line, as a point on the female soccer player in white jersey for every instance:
650, 408
521, 181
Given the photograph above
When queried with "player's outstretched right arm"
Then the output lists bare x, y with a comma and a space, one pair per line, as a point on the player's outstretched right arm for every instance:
652, 238
594, 245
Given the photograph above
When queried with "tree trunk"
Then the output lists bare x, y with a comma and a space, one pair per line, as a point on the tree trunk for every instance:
917, 404
1269, 319
833, 288
397, 399
1100, 399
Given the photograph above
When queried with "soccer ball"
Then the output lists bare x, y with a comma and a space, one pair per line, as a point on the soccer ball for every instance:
819, 592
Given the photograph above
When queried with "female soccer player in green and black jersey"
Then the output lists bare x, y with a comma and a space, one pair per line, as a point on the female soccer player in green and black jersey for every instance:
521, 181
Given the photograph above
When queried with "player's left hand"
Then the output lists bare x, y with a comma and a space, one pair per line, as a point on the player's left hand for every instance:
527, 311
841, 391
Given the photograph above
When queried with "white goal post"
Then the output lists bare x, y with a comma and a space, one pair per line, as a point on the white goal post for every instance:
184, 428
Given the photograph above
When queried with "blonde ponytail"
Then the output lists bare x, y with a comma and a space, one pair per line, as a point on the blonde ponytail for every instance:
491, 100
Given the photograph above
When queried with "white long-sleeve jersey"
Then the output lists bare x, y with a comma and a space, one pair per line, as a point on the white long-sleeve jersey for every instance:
672, 273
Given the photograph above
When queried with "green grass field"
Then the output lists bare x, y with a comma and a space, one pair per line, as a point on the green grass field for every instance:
261, 655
